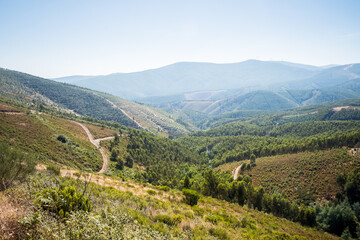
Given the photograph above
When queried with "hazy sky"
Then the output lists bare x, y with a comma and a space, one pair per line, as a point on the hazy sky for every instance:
57, 38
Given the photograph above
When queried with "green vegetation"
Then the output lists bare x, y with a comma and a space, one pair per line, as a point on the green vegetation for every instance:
80, 100
191, 197
62, 201
122, 215
276, 160
224, 149
15, 166
38, 134
164, 160
315, 172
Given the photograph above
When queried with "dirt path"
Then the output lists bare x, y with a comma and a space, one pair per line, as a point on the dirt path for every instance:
96, 142
12, 113
126, 114
236, 172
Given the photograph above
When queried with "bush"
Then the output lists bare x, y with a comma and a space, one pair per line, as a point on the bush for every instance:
219, 233
129, 162
62, 201
15, 166
62, 139
214, 218
120, 164
151, 192
171, 221
52, 168
165, 188
191, 197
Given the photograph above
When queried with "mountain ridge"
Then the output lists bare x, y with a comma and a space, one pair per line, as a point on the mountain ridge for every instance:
195, 76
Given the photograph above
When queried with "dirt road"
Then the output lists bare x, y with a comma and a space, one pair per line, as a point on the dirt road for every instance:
236, 172
96, 142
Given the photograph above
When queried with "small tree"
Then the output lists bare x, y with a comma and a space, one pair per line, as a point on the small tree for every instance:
129, 162
252, 159
113, 156
120, 164
116, 138
191, 197
187, 181
15, 166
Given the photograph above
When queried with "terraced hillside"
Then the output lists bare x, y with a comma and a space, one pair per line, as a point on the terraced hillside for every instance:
151, 119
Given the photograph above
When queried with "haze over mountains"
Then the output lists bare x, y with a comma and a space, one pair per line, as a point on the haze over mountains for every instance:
190, 76
218, 88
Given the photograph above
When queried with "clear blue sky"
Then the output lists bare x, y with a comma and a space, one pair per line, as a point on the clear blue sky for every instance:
53, 38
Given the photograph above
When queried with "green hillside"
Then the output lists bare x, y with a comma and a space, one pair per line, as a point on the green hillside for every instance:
37, 91
85, 102
316, 172
142, 211
348, 110
155, 169
38, 134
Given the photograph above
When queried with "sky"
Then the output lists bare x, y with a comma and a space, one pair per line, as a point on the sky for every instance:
96, 37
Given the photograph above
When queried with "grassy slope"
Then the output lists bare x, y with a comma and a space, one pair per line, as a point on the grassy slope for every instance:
309, 171
99, 132
37, 133
141, 208
30, 89
156, 121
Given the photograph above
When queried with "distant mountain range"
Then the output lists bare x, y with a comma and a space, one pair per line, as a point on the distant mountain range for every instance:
218, 88
184, 77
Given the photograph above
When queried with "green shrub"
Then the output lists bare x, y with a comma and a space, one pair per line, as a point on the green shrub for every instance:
191, 197
169, 220
151, 192
120, 164
214, 218
62, 201
219, 233
15, 166
52, 168
165, 188
198, 211
62, 139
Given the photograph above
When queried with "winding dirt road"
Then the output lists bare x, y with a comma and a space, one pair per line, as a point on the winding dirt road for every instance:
96, 142
236, 172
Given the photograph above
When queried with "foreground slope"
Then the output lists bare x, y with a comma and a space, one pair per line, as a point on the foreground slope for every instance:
128, 210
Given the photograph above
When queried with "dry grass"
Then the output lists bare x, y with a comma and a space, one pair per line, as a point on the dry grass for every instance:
230, 166
258, 223
7, 108
99, 132
315, 172
309, 171
137, 189
13, 207
37, 133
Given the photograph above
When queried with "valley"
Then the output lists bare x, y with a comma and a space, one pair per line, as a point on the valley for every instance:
180, 120
270, 172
